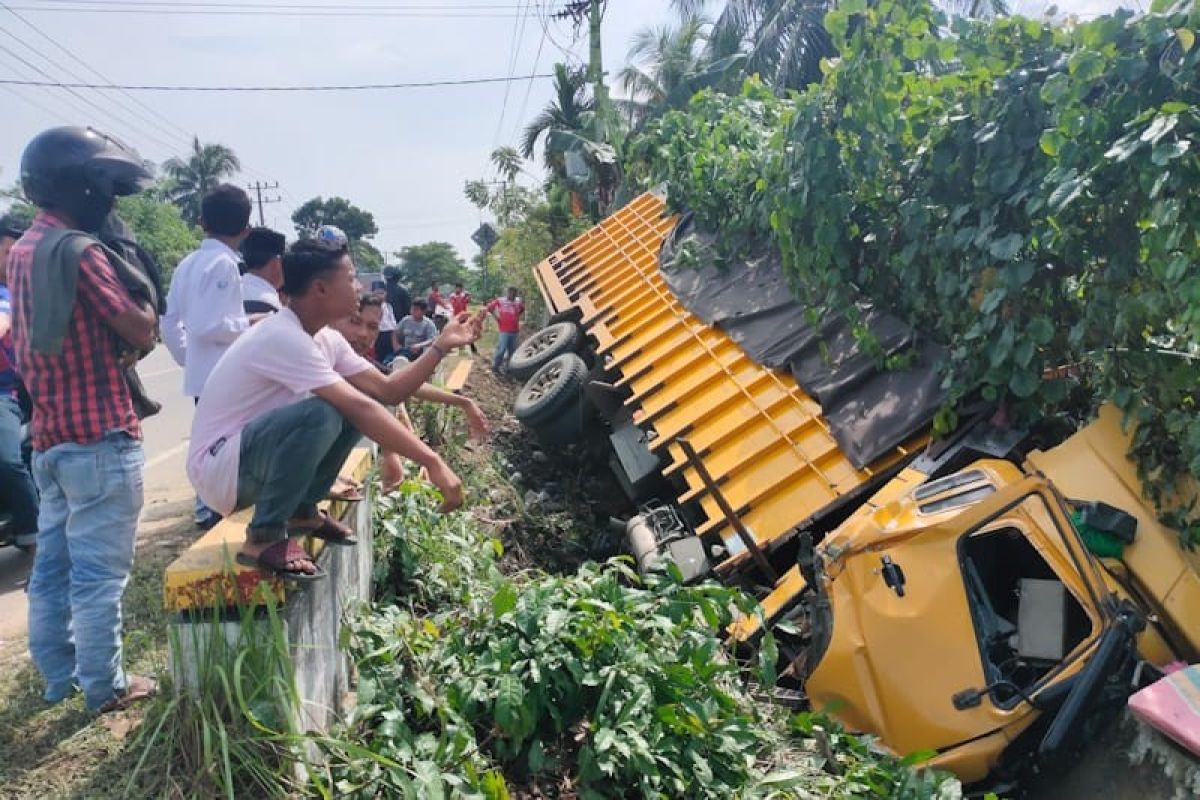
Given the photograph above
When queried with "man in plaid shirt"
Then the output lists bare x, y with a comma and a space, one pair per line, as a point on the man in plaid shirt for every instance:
88, 457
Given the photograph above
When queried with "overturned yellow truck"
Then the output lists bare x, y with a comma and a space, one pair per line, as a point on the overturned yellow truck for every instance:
981, 597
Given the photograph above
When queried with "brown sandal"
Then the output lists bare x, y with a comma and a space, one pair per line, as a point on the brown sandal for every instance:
275, 559
137, 687
330, 530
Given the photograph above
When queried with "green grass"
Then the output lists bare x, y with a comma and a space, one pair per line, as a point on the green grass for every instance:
227, 730
63, 751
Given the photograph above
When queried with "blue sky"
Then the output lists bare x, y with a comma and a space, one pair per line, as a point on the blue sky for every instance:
402, 154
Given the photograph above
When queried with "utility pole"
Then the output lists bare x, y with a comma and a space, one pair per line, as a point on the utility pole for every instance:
595, 64
593, 11
257, 187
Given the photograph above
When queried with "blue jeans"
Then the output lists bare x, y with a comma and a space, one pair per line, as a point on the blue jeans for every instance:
287, 463
505, 347
91, 498
17, 493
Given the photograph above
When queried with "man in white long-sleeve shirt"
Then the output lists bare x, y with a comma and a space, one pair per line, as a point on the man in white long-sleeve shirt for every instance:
204, 304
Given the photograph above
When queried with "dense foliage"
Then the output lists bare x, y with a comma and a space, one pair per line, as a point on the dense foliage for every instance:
1022, 192
598, 683
422, 265
355, 222
160, 228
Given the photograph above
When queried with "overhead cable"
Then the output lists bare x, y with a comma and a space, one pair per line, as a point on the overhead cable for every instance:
514, 53
164, 124
300, 6
57, 116
331, 14
354, 87
537, 58
127, 109
96, 108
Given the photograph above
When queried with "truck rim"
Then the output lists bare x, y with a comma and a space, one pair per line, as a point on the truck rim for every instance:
544, 382
542, 342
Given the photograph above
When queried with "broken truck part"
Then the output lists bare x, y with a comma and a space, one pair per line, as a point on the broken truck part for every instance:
942, 596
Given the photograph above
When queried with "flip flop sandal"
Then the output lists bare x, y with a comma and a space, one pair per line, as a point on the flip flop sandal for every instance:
350, 494
330, 530
274, 561
137, 688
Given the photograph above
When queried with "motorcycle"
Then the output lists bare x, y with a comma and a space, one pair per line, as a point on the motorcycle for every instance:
8, 532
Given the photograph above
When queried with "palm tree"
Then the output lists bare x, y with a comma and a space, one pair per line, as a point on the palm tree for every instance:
507, 162
977, 9
784, 40
191, 180
661, 60
567, 111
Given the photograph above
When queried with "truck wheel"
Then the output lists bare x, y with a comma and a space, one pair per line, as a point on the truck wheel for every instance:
539, 349
553, 389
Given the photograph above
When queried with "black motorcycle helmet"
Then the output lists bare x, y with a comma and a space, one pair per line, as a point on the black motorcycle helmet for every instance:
10, 228
81, 172
391, 274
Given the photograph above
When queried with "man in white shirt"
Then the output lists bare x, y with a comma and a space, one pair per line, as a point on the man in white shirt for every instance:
204, 304
285, 405
262, 254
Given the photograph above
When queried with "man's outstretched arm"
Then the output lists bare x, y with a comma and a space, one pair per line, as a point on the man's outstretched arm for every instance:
385, 430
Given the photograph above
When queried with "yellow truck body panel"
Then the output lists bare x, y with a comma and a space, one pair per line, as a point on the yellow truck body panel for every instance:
762, 439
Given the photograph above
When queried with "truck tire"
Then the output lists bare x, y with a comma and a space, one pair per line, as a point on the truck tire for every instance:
555, 389
539, 349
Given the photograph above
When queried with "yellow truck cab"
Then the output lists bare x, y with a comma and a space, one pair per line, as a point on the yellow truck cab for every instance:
990, 555
967, 597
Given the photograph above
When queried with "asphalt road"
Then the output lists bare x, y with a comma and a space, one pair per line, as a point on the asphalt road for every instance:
166, 479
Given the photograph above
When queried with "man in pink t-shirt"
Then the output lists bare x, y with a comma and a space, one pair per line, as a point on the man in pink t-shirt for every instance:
507, 310
285, 405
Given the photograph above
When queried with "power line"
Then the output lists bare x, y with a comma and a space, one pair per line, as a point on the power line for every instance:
547, 18
330, 14
301, 6
54, 115
70, 89
529, 86
517, 35
167, 125
170, 148
125, 108
357, 87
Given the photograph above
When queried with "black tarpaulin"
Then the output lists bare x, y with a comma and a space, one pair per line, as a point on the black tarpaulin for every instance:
870, 410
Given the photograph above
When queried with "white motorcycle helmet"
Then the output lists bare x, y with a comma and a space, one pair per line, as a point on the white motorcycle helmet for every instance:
332, 234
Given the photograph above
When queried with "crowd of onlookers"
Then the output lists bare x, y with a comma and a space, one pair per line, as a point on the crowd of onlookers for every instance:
288, 362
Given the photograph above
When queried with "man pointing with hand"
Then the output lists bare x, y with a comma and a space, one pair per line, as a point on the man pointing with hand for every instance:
284, 407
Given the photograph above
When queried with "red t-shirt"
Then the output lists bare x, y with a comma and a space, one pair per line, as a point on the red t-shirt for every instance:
508, 313
459, 302
434, 300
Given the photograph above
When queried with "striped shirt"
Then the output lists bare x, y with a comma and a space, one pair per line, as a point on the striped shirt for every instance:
79, 395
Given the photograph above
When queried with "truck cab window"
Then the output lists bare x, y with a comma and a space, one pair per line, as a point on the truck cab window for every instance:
1026, 619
